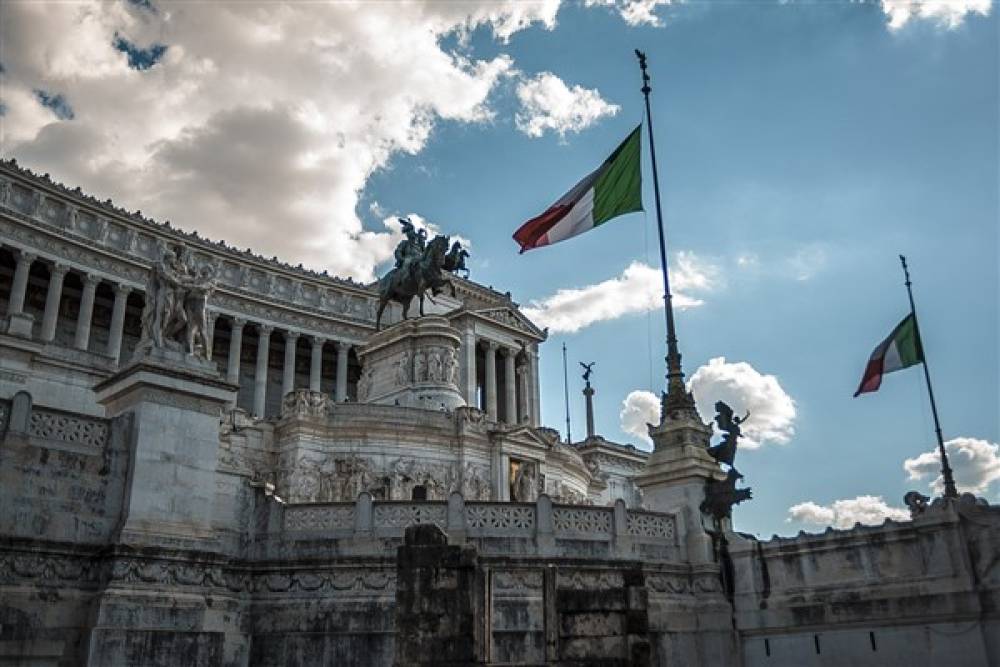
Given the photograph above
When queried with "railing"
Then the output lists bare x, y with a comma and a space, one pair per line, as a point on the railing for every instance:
544, 527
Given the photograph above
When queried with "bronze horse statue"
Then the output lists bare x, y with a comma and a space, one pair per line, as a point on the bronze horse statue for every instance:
414, 278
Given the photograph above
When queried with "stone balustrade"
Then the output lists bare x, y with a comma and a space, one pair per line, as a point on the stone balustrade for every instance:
540, 528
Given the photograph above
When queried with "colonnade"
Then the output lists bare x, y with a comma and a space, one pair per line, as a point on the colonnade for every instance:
17, 317
515, 392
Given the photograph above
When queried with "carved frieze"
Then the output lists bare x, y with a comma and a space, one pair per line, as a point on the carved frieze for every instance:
67, 428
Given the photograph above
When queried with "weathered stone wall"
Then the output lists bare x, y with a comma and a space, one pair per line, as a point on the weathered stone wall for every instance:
916, 593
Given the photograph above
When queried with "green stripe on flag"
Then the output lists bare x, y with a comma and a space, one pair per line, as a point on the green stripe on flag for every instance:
618, 190
907, 343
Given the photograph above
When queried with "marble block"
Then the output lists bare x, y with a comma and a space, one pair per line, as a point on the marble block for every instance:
412, 364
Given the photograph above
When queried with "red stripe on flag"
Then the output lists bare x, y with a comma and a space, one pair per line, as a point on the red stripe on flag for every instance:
872, 379
531, 234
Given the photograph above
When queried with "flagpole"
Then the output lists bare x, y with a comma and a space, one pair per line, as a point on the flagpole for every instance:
569, 436
949, 481
676, 394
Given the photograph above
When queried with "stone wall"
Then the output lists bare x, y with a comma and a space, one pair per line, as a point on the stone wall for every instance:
914, 593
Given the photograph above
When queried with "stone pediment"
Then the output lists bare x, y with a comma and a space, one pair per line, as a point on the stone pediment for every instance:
511, 318
531, 436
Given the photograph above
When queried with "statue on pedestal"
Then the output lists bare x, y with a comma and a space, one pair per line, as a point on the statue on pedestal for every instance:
720, 496
421, 265
176, 315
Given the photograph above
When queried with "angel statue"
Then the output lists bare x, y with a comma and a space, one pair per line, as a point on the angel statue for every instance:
729, 423
588, 369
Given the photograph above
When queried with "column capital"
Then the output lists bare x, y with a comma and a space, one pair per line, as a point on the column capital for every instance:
92, 279
26, 256
344, 346
491, 345
238, 322
317, 341
122, 289
265, 329
292, 335
58, 269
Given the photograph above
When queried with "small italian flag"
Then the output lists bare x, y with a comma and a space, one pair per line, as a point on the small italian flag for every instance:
900, 350
613, 189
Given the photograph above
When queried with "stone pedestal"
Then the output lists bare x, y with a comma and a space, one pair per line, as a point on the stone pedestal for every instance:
19, 324
413, 364
675, 475
176, 401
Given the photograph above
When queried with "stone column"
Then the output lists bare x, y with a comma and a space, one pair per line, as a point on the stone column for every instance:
316, 364
235, 345
510, 386
82, 340
52, 299
114, 349
491, 381
342, 350
210, 334
288, 376
20, 286
469, 367
260, 379
536, 417
523, 409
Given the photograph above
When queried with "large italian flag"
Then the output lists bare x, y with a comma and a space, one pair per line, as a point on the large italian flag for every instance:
611, 190
900, 350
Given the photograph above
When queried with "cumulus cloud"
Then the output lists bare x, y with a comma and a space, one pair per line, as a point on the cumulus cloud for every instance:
871, 510
255, 123
634, 12
638, 289
639, 409
547, 103
744, 388
946, 13
974, 462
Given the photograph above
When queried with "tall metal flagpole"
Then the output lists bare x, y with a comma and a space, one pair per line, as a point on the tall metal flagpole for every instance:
677, 396
949, 480
569, 436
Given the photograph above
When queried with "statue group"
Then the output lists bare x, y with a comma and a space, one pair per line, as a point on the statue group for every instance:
175, 316
720, 496
421, 265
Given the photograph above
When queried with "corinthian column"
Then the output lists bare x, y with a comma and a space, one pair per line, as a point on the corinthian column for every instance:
82, 339
114, 349
20, 286
510, 387
342, 351
288, 375
235, 346
52, 299
469, 366
316, 364
533, 381
260, 379
491, 381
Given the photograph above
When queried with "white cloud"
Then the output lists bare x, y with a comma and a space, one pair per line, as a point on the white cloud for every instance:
946, 13
634, 12
638, 289
262, 123
772, 411
547, 103
975, 464
639, 409
871, 510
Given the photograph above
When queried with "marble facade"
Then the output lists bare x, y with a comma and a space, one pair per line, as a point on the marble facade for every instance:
301, 495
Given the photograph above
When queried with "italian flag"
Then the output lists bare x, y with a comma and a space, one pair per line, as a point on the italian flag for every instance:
611, 190
900, 350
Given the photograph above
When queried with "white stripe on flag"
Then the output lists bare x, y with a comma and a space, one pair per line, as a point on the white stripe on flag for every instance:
579, 219
892, 360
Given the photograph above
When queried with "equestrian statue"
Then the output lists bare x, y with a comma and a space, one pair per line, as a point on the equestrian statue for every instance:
421, 265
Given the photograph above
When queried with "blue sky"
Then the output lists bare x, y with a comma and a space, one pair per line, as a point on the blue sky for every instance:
801, 146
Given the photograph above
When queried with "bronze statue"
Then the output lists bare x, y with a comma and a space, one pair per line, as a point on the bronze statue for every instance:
721, 496
588, 369
420, 266
725, 451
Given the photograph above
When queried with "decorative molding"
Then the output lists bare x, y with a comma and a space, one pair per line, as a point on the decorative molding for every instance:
323, 517
64, 427
646, 524
500, 517
589, 520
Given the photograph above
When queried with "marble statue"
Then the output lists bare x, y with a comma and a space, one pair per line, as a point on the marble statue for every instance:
177, 297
